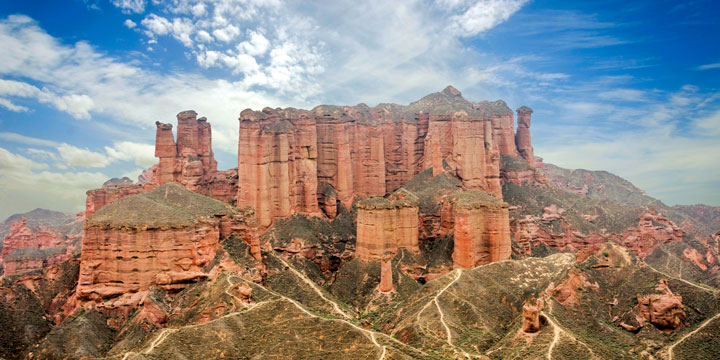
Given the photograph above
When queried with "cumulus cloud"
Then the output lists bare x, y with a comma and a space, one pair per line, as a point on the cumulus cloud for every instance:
130, 6
129, 24
78, 106
140, 154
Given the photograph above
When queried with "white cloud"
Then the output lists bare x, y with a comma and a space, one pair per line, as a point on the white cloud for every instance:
26, 140
11, 106
78, 106
480, 16
142, 154
130, 6
76, 156
709, 66
27, 184
129, 23
227, 33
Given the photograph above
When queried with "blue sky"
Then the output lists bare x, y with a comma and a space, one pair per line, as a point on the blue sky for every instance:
632, 87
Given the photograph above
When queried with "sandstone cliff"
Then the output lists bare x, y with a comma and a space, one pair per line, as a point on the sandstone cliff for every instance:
386, 226
298, 161
164, 238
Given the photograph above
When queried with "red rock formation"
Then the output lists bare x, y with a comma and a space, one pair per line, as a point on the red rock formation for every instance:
481, 229
386, 278
189, 162
522, 138
664, 310
386, 225
162, 238
568, 292
652, 230
277, 173
27, 248
531, 316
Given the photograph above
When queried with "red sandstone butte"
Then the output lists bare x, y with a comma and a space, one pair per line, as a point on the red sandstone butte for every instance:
481, 228
522, 138
162, 238
386, 226
310, 162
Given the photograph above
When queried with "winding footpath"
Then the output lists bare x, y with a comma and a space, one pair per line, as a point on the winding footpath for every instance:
314, 286
458, 274
671, 348
703, 287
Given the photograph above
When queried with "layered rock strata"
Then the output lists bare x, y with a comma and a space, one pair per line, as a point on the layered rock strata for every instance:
277, 163
28, 248
386, 226
312, 162
162, 238
481, 228
286, 155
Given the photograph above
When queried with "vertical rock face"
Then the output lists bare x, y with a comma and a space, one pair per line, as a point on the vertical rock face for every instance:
522, 138
387, 225
286, 155
161, 238
277, 163
190, 161
481, 229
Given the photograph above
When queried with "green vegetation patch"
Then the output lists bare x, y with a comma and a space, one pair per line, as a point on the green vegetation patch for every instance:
168, 206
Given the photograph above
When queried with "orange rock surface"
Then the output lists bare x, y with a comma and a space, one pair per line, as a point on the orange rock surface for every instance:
162, 238
386, 225
481, 229
522, 138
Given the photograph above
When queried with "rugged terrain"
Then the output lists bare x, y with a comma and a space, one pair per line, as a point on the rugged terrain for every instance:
426, 231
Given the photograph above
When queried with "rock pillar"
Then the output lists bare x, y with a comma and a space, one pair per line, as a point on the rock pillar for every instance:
522, 138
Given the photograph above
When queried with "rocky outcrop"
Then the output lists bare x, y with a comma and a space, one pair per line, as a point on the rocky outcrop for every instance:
664, 310
522, 138
553, 230
286, 155
386, 226
531, 315
652, 230
189, 162
277, 163
386, 277
480, 227
28, 247
162, 238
